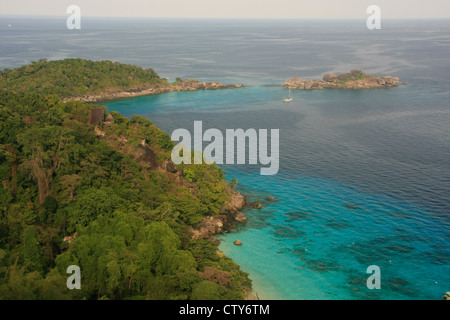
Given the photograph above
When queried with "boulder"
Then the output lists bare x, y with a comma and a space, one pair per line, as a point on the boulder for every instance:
356, 73
272, 198
308, 85
208, 227
109, 118
168, 166
240, 217
293, 83
236, 203
238, 243
330, 77
315, 85
108, 121
189, 85
146, 154
344, 76
257, 205
214, 85
391, 80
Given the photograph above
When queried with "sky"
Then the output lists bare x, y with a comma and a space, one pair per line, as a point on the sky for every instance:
297, 9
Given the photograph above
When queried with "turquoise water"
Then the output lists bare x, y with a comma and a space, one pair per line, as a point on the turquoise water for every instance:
318, 240
364, 175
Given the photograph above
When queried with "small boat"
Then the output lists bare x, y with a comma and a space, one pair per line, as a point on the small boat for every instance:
290, 97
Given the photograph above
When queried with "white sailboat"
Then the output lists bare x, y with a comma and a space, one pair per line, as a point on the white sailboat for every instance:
290, 97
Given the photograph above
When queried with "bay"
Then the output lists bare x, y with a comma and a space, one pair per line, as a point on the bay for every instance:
364, 175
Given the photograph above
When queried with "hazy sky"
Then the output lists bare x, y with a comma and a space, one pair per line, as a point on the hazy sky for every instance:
326, 9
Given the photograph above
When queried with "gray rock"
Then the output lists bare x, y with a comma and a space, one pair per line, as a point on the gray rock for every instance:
344, 76
330, 77
391, 80
356, 73
293, 83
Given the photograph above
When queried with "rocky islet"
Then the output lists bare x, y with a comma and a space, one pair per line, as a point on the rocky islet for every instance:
355, 79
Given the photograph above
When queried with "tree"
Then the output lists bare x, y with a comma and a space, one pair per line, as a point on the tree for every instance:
207, 290
31, 251
70, 182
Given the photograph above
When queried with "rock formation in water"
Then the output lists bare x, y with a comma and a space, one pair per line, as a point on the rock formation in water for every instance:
356, 79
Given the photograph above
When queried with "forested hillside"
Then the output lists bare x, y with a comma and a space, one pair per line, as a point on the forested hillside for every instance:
83, 187
76, 77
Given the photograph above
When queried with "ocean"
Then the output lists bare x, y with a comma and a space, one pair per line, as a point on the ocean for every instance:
364, 175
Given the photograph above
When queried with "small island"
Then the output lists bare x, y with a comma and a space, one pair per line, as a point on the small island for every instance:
355, 79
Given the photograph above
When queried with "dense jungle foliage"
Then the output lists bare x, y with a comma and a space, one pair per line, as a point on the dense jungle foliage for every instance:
77, 193
76, 77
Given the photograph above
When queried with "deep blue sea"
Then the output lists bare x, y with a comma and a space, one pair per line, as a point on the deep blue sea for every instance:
364, 175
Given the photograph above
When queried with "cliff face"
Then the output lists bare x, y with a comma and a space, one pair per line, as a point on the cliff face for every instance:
356, 79
184, 85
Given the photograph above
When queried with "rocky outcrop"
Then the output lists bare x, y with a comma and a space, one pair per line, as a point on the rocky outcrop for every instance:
330, 77
256, 205
108, 121
147, 155
272, 198
238, 243
224, 221
168, 166
152, 89
240, 217
208, 227
356, 79
237, 202
230, 211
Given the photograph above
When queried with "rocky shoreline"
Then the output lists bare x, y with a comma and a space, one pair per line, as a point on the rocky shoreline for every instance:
230, 214
152, 89
225, 221
355, 79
